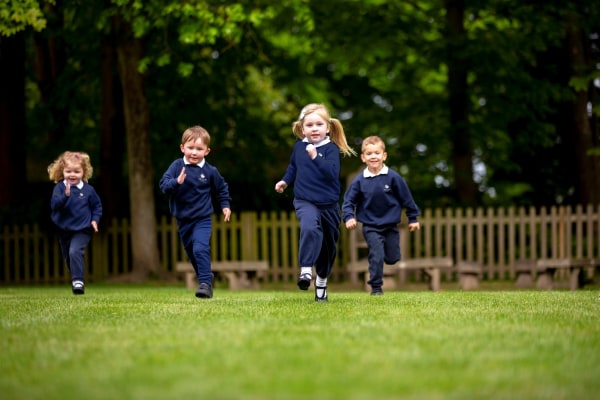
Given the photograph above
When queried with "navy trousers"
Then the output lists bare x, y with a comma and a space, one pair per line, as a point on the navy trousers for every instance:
319, 234
195, 236
72, 246
384, 248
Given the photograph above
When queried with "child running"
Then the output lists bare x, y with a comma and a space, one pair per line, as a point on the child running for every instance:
314, 171
75, 210
191, 183
376, 198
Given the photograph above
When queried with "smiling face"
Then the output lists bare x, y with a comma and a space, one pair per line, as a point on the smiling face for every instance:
373, 154
73, 172
314, 128
195, 150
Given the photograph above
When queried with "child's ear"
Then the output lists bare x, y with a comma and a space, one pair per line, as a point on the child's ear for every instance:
207, 151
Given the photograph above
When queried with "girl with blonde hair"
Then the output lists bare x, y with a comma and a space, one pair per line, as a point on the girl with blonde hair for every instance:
75, 210
314, 170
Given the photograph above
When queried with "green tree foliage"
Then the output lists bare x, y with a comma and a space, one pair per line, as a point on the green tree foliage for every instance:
244, 69
17, 15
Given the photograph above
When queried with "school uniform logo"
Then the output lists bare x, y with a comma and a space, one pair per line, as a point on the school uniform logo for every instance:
386, 188
202, 177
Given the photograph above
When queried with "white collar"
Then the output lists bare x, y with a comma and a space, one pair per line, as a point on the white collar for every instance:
321, 143
200, 164
369, 174
78, 186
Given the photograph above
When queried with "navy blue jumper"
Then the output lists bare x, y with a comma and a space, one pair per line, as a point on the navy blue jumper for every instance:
191, 203
316, 201
377, 202
73, 216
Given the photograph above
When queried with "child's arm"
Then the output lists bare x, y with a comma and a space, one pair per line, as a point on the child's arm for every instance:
414, 226
226, 214
173, 178
280, 186
349, 204
351, 224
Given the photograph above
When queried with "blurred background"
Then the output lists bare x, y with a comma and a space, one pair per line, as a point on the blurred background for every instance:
481, 103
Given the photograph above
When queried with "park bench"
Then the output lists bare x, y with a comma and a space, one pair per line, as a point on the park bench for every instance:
358, 266
546, 269
469, 274
526, 270
432, 266
239, 274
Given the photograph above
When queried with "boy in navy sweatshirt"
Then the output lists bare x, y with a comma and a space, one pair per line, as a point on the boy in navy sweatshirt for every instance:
75, 210
376, 198
314, 170
191, 184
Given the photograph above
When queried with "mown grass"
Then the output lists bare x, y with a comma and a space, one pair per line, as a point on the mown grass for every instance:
126, 342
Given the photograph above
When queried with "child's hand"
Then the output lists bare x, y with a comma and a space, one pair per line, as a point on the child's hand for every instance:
95, 226
181, 176
280, 186
226, 214
68, 189
414, 227
312, 151
351, 224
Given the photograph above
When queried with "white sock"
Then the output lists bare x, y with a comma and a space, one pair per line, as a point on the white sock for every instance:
306, 270
320, 282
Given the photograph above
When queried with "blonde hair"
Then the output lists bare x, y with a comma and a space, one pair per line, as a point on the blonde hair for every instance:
55, 170
194, 133
375, 140
336, 130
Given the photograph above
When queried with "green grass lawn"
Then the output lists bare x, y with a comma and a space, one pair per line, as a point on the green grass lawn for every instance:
127, 342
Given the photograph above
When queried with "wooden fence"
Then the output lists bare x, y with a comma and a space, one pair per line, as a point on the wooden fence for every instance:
494, 237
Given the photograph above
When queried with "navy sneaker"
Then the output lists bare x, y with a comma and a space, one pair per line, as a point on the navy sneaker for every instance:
204, 291
376, 292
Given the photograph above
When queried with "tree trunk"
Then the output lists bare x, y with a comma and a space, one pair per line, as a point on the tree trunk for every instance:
112, 186
462, 152
12, 119
143, 220
587, 179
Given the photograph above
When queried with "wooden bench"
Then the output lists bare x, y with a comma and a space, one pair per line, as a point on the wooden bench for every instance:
546, 268
526, 270
432, 266
239, 274
469, 273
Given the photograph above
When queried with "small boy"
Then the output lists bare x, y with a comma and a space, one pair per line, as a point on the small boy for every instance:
191, 183
376, 198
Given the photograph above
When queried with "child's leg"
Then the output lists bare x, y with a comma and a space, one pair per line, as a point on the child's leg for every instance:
330, 223
64, 241
392, 245
79, 242
201, 249
375, 242
311, 233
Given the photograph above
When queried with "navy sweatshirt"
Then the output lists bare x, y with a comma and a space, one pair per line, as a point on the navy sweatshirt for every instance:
193, 199
379, 200
316, 181
77, 211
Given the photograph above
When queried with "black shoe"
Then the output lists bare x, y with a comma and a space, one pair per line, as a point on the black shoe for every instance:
377, 292
322, 298
78, 287
204, 291
304, 281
